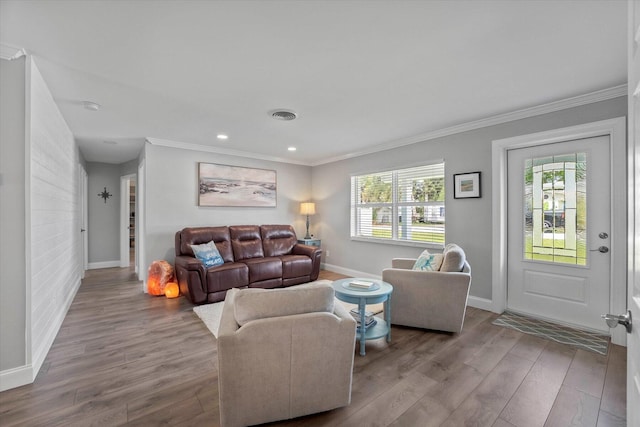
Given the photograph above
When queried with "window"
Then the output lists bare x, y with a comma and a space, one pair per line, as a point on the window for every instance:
404, 205
555, 209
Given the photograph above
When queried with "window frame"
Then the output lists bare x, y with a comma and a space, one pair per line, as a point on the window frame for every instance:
395, 205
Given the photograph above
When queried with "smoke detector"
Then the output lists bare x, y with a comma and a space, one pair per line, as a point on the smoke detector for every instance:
285, 115
91, 106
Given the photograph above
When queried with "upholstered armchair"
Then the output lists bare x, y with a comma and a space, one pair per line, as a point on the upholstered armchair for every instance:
430, 299
283, 353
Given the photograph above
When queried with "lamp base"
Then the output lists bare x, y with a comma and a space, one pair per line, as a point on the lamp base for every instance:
307, 236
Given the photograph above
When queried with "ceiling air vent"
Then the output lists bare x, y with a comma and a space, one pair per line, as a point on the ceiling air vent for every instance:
283, 115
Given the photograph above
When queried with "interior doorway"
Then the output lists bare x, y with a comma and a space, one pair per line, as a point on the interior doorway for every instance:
128, 187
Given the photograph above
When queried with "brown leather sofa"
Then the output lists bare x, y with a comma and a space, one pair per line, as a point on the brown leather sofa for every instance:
265, 256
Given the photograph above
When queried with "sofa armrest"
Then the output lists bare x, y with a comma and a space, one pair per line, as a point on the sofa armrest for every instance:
192, 279
228, 324
308, 250
406, 263
343, 314
313, 252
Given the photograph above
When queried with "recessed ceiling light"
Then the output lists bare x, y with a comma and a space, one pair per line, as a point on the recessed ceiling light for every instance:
285, 115
222, 136
292, 148
91, 106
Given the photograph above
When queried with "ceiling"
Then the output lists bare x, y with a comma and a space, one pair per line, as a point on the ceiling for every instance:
362, 75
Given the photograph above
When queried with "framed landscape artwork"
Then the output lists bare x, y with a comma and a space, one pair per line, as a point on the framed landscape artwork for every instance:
224, 185
466, 185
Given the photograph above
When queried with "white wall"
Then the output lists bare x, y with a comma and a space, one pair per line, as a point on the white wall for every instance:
469, 221
55, 238
171, 197
41, 274
104, 217
12, 216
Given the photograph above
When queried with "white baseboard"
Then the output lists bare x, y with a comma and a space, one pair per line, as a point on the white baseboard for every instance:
41, 352
16, 377
104, 264
22, 375
349, 272
481, 303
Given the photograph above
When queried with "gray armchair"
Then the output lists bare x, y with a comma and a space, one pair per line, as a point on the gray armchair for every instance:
283, 353
430, 299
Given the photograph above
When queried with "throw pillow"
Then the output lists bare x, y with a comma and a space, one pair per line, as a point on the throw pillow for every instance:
428, 262
208, 254
252, 304
454, 258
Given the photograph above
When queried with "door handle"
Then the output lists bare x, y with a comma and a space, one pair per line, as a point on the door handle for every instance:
82, 230
601, 249
623, 319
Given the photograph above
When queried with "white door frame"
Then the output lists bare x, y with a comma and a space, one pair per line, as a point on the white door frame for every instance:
140, 225
125, 185
84, 219
616, 129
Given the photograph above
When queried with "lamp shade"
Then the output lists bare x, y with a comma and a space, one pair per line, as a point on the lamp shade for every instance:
308, 208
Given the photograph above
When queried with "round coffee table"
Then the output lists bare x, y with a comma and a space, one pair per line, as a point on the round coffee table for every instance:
379, 292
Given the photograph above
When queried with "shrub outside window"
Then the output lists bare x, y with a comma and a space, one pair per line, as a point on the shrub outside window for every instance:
400, 206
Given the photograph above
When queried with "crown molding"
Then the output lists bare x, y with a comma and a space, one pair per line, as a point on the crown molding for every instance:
576, 101
10, 53
217, 150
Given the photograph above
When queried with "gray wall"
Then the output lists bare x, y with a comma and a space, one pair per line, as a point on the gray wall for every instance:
171, 194
469, 221
12, 214
104, 218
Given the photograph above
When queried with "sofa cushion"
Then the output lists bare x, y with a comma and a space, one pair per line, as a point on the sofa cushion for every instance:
296, 266
253, 304
208, 254
246, 242
227, 276
263, 268
428, 262
198, 235
277, 239
454, 258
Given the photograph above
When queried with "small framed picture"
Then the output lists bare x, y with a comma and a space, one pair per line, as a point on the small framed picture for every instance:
466, 185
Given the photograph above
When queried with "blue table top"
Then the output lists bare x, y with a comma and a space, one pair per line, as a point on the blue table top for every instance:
380, 288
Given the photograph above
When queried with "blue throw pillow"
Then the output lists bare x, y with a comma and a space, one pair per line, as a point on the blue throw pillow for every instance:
428, 262
208, 254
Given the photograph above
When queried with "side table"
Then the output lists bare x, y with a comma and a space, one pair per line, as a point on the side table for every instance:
379, 292
310, 242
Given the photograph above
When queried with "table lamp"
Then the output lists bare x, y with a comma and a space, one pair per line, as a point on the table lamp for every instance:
308, 208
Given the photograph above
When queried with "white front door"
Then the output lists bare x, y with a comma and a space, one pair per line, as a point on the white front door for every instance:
559, 231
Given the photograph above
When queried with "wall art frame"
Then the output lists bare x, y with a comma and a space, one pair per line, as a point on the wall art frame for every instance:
237, 186
466, 185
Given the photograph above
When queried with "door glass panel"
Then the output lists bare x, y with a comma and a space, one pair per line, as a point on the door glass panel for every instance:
555, 208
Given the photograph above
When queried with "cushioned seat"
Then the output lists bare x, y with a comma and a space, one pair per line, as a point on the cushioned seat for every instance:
283, 353
264, 272
430, 299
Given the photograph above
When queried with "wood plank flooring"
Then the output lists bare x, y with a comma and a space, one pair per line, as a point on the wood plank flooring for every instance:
126, 358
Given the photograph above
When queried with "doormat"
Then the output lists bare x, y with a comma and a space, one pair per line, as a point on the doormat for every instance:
582, 339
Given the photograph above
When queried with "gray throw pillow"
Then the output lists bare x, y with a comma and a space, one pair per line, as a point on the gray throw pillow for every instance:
454, 258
